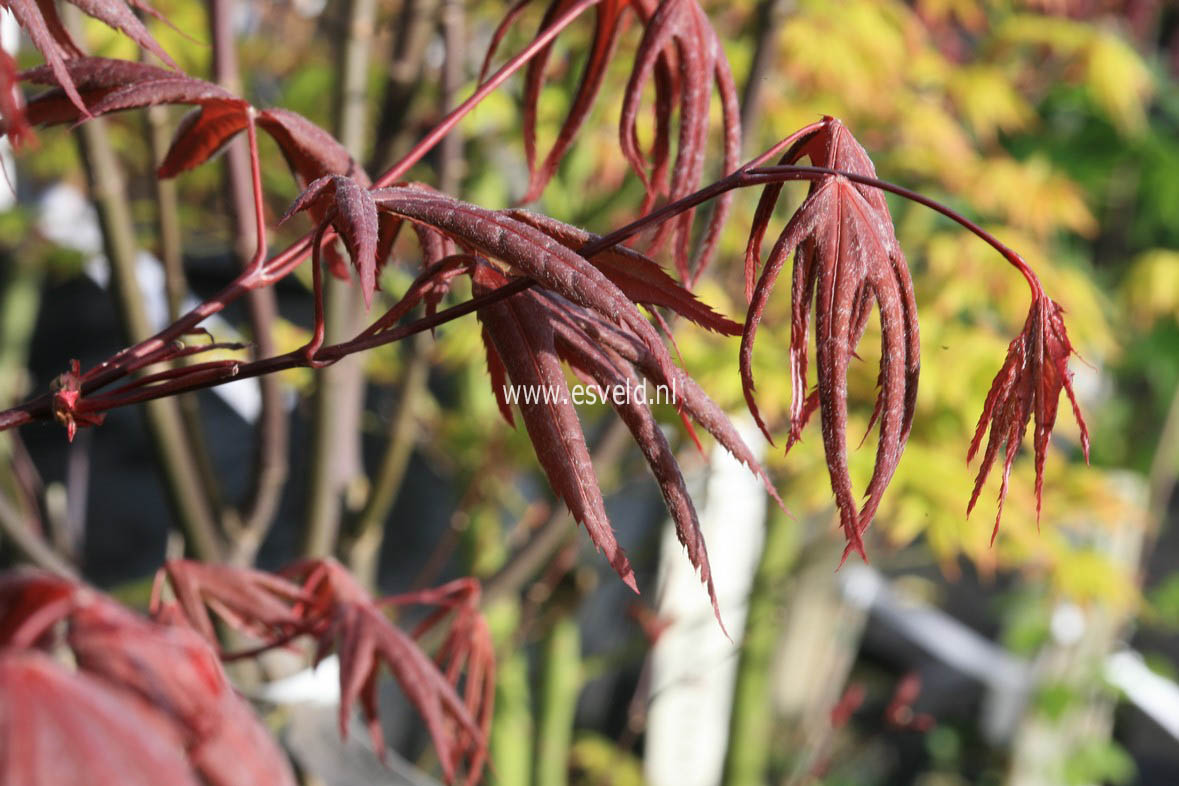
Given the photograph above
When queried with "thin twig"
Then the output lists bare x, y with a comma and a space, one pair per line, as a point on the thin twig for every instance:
439, 132
286, 261
167, 212
369, 530
269, 474
174, 456
39, 408
411, 35
450, 150
30, 544
1161, 480
159, 137
335, 459
767, 20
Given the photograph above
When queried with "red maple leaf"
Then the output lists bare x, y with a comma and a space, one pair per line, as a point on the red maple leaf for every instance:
349, 621
847, 259
1027, 387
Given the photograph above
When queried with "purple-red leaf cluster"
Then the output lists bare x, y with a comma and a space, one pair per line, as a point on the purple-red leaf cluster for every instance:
250, 601
583, 313
467, 650
320, 599
527, 337
106, 85
350, 622
40, 20
148, 702
351, 210
846, 262
114, 85
1026, 388
609, 21
681, 54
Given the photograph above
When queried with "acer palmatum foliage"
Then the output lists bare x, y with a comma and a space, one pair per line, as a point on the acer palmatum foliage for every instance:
550, 329
549, 297
320, 600
681, 56
145, 702
59, 726
347, 620
253, 602
1027, 389
183, 722
846, 262
44, 27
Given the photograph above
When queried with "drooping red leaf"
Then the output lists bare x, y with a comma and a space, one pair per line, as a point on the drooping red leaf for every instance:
203, 133
114, 85
41, 21
769, 200
526, 336
467, 652
310, 151
521, 334
13, 123
499, 379
689, 397
497, 36
614, 374
352, 211
170, 90
846, 259
60, 727
608, 24
51, 39
352, 624
640, 278
682, 53
178, 673
249, 601
533, 340
116, 14
1027, 387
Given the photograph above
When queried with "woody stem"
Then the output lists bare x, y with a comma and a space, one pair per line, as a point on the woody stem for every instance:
743, 178
261, 274
797, 172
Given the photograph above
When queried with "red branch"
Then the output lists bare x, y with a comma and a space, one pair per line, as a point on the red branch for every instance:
206, 375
